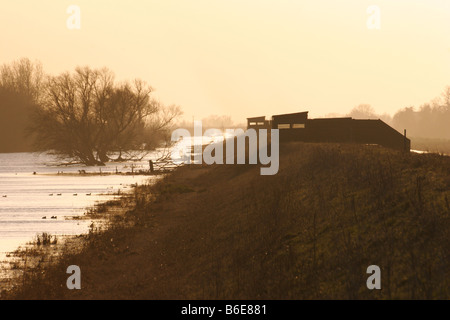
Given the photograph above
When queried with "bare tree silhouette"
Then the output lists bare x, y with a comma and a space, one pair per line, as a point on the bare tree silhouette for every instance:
431, 120
20, 92
86, 116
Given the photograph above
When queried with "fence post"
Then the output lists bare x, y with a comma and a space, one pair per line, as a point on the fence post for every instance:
151, 165
404, 140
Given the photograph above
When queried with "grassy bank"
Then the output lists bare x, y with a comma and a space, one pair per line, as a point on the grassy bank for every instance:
309, 232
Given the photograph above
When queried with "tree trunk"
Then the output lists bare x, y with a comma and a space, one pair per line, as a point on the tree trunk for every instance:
90, 160
103, 157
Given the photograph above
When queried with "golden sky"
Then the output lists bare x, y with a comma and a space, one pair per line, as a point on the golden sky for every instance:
246, 57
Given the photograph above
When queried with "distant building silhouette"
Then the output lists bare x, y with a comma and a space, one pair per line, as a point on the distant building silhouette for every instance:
297, 127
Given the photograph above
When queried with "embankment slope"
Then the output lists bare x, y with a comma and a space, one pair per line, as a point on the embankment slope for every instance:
309, 232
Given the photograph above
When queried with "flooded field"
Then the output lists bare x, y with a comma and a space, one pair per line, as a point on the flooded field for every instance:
37, 195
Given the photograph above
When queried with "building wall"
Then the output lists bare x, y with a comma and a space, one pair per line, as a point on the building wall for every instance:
348, 130
297, 127
289, 119
258, 123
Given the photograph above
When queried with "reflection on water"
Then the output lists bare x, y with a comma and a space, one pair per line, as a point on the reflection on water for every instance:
28, 201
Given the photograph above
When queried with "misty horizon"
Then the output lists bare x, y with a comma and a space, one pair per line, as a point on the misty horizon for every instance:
225, 150
247, 58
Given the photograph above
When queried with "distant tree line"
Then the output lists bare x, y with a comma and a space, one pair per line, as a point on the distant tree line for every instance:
20, 86
87, 116
84, 116
431, 120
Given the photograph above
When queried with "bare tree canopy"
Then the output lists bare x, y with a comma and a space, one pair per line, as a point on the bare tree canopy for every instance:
363, 111
431, 120
366, 111
86, 116
23, 77
20, 88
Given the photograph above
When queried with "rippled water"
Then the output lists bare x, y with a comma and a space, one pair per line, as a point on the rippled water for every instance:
26, 198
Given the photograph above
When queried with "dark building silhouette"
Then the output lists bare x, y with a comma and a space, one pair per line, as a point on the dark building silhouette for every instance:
297, 127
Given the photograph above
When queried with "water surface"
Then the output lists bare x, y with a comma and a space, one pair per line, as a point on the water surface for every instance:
32, 192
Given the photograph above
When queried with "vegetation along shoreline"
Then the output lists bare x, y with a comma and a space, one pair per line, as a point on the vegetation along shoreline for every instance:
226, 232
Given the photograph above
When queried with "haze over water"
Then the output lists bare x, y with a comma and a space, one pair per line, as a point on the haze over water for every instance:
26, 198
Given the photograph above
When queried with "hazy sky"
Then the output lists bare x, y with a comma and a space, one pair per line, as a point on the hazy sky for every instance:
246, 57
